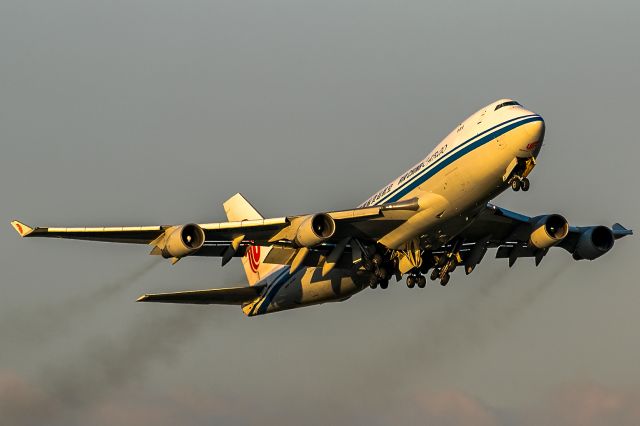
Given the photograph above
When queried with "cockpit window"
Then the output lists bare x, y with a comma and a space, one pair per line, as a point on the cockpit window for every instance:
504, 104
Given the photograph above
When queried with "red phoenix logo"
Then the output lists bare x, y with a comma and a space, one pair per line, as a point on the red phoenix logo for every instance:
253, 255
19, 228
532, 146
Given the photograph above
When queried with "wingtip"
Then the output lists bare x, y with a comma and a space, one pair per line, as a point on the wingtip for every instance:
620, 231
22, 229
143, 298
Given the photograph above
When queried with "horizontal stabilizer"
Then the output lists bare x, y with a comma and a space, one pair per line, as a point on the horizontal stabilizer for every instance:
218, 296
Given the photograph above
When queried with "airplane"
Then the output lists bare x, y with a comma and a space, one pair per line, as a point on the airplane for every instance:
434, 217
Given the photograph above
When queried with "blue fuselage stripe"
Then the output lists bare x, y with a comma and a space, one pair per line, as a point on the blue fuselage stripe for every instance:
278, 282
450, 157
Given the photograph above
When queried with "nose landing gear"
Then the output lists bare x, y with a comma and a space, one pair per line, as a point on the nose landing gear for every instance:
518, 183
518, 172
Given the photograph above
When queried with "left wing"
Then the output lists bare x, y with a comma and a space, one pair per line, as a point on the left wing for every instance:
516, 235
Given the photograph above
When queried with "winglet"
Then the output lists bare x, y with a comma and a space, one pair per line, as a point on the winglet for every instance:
143, 298
21, 228
620, 231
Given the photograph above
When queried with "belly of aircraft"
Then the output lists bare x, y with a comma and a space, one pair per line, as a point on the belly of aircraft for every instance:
308, 287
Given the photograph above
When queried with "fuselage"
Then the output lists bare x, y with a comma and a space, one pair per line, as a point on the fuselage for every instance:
470, 166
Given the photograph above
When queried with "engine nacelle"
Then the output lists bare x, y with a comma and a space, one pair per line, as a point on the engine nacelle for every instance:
314, 230
182, 241
549, 231
593, 243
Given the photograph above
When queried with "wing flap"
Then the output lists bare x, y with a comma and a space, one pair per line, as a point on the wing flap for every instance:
218, 296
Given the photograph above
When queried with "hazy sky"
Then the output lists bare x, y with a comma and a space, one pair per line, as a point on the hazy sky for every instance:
148, 112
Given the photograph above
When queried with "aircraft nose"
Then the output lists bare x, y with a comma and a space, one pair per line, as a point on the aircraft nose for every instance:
536, 129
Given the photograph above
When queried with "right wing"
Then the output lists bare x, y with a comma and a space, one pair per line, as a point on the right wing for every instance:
230, 239
218, 296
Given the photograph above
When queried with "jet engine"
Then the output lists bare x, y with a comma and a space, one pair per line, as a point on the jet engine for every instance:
594, 241
315, 229
549, 231
182, 241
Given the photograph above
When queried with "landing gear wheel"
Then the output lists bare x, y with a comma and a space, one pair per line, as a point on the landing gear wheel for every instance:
382, 274
384, 284
516, 184
411, 281
525, 184
434, 274
421, 281
445, 279
368, 265
373, 281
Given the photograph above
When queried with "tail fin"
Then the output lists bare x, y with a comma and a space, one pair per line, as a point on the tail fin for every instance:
238, 208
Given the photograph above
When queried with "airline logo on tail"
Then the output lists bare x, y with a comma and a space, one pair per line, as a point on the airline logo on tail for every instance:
253, 256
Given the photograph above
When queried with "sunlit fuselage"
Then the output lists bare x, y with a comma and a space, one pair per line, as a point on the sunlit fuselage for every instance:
469, 167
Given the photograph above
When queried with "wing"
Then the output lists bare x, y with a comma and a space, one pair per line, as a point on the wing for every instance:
516, 235
219, 296
318, 233
117, 234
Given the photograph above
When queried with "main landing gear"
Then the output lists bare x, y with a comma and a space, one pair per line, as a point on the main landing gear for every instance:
446, 263
379, 269
416, 279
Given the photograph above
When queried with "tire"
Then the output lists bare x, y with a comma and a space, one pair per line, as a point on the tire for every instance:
445, 280
384, 284
515, 184
382, 274
422, 281
525, 184
434, 274
373, 281
411, 281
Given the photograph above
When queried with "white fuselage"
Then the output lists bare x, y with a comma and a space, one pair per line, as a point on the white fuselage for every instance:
469, 167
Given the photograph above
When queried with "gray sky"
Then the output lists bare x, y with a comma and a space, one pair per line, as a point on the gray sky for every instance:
146, 112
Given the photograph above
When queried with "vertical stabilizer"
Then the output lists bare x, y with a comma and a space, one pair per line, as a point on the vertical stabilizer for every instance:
238, 209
